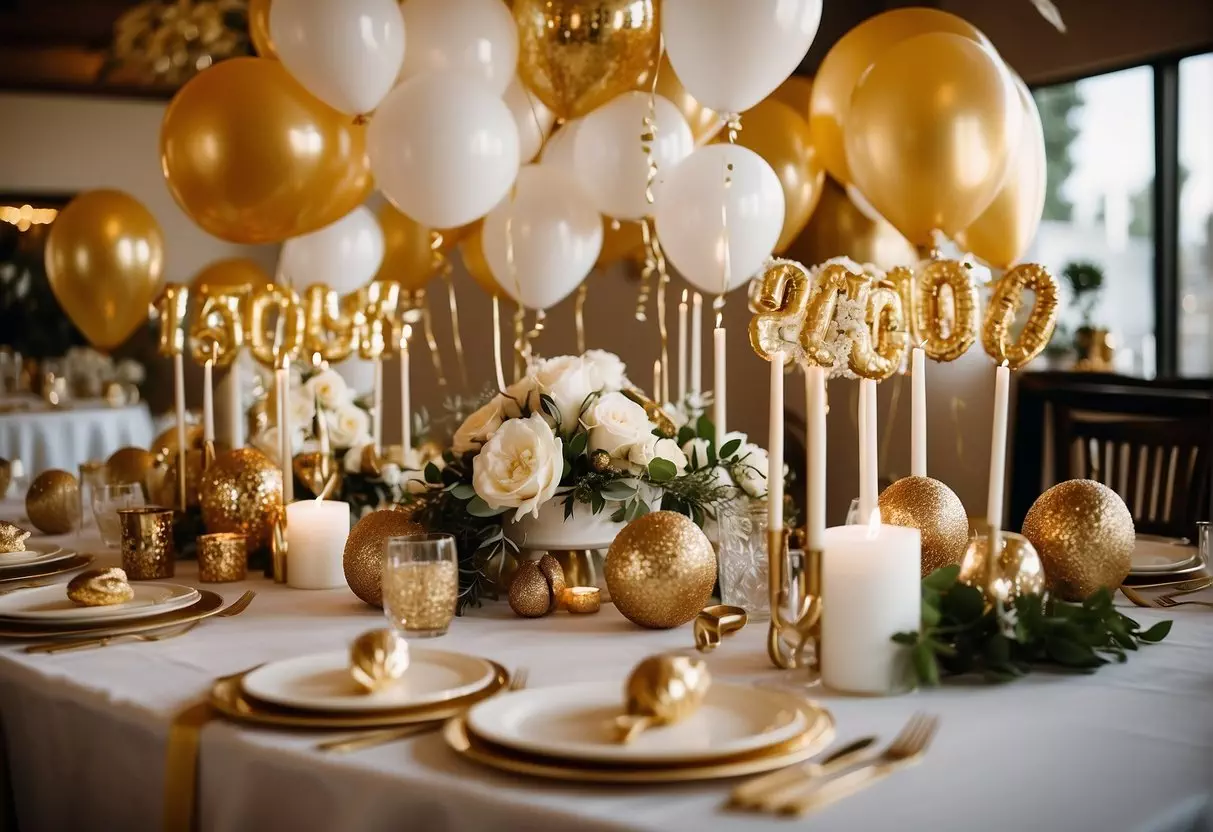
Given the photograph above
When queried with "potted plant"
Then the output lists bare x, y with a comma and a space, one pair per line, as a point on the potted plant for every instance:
1093, 344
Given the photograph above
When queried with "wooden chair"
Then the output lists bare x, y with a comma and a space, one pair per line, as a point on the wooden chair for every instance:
1148, 441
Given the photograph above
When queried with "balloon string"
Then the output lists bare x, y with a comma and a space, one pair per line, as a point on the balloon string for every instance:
532, 334
726, 272
579, 314
442, 265
646, 272
427, 326
497, 344
648, 135
519, 337
733, 125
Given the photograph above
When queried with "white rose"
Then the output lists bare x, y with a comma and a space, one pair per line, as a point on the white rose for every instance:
353, 458
652, 448
751, 473
329, 388
616, 423
524, 393
607, 371
302, 410
390, 473
567, 380
520, 466
348, 425
479, 427
696, 451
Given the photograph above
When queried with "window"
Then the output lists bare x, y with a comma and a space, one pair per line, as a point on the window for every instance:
1195, 288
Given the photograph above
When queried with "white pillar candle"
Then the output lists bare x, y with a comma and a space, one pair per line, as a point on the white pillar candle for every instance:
719, 392
286, 450
869, 590
918, 413
696, 380
182, 447
406, 413
208, 402
315, 533
682, 348
998, 447
377, 409
865, 505
815, 499
775, 446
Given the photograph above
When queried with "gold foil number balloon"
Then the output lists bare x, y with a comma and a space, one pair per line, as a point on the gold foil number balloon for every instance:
375, 319
218, 330
996, 335
878, 346
328, 330
781, 299
944, 336
171, 307
275, 324
822, 306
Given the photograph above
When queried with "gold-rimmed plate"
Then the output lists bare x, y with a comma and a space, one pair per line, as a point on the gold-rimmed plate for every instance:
35, 571
207, 605
228, 698
798, 749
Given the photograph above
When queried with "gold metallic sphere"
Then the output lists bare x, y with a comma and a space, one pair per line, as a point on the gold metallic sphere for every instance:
1084, 533
660, 570
129, 465
165, 445
934, 509
530, 592
163, 489
363, 557
53, 502
1018, 570
242, 492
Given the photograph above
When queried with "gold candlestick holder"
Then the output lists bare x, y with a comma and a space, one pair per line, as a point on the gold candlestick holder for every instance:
788, 637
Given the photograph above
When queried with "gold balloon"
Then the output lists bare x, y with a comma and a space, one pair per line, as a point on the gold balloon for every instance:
620, 239
376, 318
576, 55
218, 329
837, 228
780, 301
408, 257
660, 570
847, 61
780, 135
363, 556
253, 158
944, 323
233, 273
876, 349
129, 465
1002, 234
932, 126
275, 324
171, 307
996, 336
165, 445
104, 260
1085, 535
934, 509
259, 28
242, 493
796, 92
53, 502
704, 122
1017, 568
471, 251
328, 329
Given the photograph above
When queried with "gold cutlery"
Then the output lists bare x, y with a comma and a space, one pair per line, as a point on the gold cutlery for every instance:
235, 608
381, 736
1168, 601
759, 790
33, 585
907, 748
1166, 598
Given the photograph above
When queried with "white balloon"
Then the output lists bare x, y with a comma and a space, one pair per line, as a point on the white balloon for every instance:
347, 54
473, 37
699, 218
731, 54
559, 147
610, 161
345, 254
443, 149
556, 236
534, 120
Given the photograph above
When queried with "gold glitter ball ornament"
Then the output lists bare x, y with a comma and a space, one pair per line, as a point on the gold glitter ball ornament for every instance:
163, 490
378, 659
1017, 570
1084, 533
660, 570
53, 502
129, 465
363, 556
242, 492
100, 588
553, 572
165, 445
530, 593
934, 509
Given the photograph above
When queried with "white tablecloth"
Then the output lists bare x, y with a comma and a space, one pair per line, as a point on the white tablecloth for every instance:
44, 438
1128, 748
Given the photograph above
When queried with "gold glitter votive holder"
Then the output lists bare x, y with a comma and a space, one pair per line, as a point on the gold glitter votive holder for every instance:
222, 558
147, 543
582, 599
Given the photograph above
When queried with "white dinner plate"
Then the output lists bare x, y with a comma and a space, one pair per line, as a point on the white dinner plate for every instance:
50, 604
34, 556
575, 722
1160, 554
322, 682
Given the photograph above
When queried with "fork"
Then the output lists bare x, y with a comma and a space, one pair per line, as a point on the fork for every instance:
907, 748
759, 790
370, 739
1167, 601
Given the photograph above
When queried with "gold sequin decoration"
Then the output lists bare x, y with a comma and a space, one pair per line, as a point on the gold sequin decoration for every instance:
363, 556
934, 509
660, 570
242, 493
53, 502
1084, 533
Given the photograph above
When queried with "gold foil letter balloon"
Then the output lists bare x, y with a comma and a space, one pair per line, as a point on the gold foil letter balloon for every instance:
996, 336
218, 329
104, 259
275, 324
375, 319
831, 281
328, 330
780, 302
172, 306
878, 346
945, 330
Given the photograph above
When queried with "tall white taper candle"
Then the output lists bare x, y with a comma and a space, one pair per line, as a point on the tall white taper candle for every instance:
696, 380
815, 465
775, 446
918, 413
406, 414
998, 447
377, 409
179, 402
208, 401
682, 348
873, 455
286, 450
719, 392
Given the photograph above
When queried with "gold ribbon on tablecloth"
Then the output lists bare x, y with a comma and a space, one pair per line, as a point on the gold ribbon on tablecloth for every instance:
181, 768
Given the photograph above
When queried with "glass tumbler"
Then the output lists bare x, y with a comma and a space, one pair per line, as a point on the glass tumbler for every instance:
744, 566
420, 583
107, 500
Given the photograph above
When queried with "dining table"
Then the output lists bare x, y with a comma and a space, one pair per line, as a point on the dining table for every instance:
44, 436
86, 734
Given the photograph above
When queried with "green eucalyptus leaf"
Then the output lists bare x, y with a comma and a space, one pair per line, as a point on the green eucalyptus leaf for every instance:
477, 507
662, 470
463, 491
942, 579
577, 445
1156, 633
729, 448
433, 474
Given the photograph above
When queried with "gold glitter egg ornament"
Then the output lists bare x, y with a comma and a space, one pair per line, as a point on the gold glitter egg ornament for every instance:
662, 690
553, 573
378, 659
530, 592
241, 492
660, 570
1084, 533
53, 502
1017, 569
363, 555
934, 509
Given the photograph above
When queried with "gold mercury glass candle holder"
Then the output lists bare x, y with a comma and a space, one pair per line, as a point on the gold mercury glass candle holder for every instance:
222, 558
147, 543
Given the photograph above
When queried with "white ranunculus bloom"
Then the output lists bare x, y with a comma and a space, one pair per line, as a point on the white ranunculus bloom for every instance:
329, 388
696, 451
353, 458
751, 473
348, 425
652, 447
607, 371
520, 466
616, 423
479, 427
567, 380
